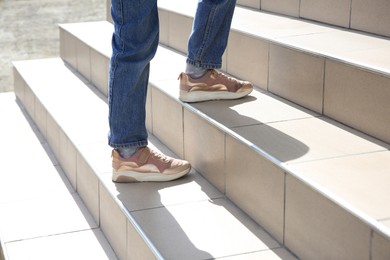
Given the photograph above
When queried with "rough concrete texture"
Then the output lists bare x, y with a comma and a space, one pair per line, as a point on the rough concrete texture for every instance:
28, 29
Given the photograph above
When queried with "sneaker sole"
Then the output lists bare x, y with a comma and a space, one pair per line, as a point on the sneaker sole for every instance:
130, 176
198, 96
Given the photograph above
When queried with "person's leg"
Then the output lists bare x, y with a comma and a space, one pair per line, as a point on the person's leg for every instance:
206, 45
134, 44
210, 33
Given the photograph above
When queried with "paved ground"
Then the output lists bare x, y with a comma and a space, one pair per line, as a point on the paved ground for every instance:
28, 29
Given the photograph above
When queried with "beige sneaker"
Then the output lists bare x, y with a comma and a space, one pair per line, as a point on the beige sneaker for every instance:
147, 165
213, 85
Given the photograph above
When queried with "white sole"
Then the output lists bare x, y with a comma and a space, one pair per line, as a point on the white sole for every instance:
131, 176
198, 96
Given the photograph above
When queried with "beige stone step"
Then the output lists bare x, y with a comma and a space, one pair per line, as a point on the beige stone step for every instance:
184, 219
41, 215
360, 15
268, 138
367, 16
343, 74
339, 73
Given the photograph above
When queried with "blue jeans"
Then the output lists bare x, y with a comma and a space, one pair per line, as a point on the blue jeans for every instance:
134, 44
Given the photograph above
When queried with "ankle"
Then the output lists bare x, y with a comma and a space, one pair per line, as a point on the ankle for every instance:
194, 71
127, 152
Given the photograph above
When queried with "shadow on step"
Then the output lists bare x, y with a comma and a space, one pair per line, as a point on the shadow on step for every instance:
190, 219
251, 119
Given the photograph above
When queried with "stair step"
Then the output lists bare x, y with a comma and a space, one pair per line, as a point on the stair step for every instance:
342, 74
41, 215
188, 218
290, 146
280, 176
365, 16
372, 18
234, 188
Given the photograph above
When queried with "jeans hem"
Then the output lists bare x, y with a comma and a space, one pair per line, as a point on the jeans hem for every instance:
204, 65
128, 145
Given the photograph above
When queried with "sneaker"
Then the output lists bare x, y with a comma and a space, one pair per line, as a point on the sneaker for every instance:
147, 165
213, 85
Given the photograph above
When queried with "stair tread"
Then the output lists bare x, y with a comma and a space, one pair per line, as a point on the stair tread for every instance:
38, 205
360, 49
174, 206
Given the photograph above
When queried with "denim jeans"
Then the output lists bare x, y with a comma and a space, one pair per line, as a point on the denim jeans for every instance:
134, 44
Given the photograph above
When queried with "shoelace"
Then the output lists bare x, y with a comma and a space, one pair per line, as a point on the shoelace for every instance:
159, 156
220, 74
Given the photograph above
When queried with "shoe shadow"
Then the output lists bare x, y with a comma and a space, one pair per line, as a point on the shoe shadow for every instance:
251, 120
151, 204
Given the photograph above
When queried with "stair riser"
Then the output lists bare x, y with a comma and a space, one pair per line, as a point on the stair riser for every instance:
108, 11
93, 65
175, 30
165, 120
250, 3
320, 224
358, 98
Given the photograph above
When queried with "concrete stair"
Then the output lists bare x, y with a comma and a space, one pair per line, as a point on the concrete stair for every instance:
341, 74
363, 15
276, 175
141, 221
41, 214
